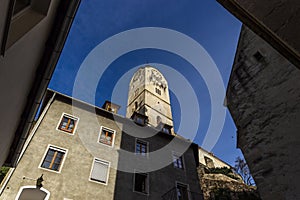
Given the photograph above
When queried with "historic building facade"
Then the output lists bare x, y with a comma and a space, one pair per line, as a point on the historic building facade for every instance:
263, 99
77, 151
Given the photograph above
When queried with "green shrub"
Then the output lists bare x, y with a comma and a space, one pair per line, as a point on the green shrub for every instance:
3, 172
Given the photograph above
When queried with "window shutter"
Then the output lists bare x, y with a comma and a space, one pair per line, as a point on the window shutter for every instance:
100, 170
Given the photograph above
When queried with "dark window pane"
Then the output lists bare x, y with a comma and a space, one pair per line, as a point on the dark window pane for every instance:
182, 192
53, 159
46, 164
55, 167
140, 183
141, 148
67, 124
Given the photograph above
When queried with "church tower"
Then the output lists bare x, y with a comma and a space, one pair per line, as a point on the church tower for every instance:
149, 96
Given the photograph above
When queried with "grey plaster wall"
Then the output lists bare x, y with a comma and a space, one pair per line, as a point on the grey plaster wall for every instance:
263, 97
73, 180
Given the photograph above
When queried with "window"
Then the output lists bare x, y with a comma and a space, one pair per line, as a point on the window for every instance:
209, 162
166, 130
54, 158
100, 170
140, 120
67, 123
158, 119
177, 161
182, 191
106, 136
158, 91
111, 109
141, 147
141, 182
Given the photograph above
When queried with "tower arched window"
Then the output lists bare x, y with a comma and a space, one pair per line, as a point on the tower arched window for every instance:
158, 119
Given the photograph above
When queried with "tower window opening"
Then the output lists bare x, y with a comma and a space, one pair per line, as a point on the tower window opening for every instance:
166, 130
158, 91
140, 120
158, 119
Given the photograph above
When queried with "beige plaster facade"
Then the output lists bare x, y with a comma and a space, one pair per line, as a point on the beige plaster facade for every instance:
205, 157
72, 181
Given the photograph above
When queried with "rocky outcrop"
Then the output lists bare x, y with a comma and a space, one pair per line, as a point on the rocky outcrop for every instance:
220, 186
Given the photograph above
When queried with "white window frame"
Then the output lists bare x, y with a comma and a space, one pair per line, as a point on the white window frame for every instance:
182, 158
109, 130
50, 146
34, 187
107, 175
142, 141
147, 186
187, 187
71, 117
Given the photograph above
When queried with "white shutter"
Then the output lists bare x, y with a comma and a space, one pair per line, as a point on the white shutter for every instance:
100, 171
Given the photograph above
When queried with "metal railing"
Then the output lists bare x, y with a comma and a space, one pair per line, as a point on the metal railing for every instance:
174, 194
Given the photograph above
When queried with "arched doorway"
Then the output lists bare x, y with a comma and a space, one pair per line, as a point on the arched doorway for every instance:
32, 193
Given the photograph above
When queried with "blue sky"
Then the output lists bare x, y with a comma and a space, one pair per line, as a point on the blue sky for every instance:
205, 21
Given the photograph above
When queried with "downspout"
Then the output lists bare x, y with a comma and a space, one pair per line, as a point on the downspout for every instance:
32, 132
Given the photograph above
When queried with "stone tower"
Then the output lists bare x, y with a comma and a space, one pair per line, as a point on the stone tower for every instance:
149, 95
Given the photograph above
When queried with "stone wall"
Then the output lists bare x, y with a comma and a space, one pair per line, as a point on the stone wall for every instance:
263, 96
220, 186
276, 21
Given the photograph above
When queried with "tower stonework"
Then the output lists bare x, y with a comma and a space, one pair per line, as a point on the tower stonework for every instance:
149, 95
